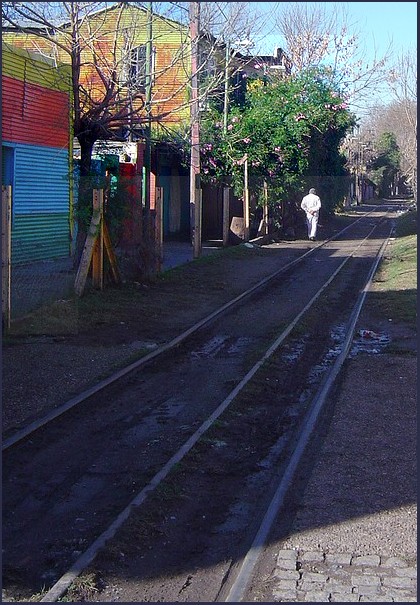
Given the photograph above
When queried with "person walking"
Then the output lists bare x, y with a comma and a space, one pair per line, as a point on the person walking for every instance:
311, 204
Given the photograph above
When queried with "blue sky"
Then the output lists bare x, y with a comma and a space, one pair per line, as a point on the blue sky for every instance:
380, 26
377, 22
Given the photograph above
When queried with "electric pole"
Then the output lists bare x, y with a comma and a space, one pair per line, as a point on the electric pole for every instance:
148, 129
226, 95
195, 187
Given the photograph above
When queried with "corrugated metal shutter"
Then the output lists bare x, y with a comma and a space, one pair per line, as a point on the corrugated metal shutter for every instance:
34, 115
41, 228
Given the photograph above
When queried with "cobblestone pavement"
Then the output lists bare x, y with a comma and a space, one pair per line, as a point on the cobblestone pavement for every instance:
351, 536
305, 576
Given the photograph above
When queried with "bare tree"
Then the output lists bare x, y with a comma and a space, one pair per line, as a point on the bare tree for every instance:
121, 87
64, 32
399, 114
107, 93
316, 36
403, 83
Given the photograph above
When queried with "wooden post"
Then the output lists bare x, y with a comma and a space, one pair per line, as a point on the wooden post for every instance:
226, 215
98, 249
246, 200
265, 209
6, 252
198, 223
97, 240
159, 228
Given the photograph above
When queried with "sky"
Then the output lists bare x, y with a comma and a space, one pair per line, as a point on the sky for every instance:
377, 22
379, 25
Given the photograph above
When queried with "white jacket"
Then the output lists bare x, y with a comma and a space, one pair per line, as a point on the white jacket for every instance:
311, 204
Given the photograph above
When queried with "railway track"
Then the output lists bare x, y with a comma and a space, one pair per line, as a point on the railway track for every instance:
72, 480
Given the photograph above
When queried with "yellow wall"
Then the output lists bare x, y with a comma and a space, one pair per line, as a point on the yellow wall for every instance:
107, 30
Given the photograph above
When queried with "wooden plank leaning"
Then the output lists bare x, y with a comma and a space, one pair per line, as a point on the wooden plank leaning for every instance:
98, 248
115, 273
88, 249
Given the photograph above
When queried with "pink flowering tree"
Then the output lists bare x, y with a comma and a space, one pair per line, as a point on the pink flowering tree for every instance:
291, 131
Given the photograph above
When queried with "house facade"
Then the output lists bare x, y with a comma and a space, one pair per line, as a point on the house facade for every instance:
114, 55
125, 44
36, 155
113, 52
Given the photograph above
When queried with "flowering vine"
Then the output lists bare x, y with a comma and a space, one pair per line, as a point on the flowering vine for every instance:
287, 130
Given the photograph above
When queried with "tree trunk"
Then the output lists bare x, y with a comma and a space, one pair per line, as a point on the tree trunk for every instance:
83, 209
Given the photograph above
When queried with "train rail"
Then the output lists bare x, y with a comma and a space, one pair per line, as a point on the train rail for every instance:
243, 575
137, 412
116, 376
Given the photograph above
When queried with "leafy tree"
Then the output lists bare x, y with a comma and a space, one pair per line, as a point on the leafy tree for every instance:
290, 130
386, 165
399, 116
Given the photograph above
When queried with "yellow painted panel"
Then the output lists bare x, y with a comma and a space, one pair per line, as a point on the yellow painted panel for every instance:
22, 65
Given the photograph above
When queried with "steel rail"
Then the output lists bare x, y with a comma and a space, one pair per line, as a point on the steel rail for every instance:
63, 583
81, 397
243, 575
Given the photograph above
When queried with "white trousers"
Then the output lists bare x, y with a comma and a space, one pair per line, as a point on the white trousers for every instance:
312, 223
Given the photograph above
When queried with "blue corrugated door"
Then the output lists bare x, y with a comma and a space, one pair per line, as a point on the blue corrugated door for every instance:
41, 204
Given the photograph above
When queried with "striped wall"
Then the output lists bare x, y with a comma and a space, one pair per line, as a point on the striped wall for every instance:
36, 147
123, 27
32, 67
40, 207
34, 114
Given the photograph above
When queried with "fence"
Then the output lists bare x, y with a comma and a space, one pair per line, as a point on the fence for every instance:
30, 286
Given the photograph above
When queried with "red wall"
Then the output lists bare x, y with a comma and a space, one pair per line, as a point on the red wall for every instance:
34, 114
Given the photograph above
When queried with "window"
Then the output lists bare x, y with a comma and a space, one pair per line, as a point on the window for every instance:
137, 67
206, 66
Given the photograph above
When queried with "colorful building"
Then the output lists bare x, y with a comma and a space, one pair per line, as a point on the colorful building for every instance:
37, 154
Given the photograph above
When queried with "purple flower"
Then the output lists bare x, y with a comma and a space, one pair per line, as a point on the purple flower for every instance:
246, 140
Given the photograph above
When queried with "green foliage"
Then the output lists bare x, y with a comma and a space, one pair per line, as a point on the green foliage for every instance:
386, 164
290, 130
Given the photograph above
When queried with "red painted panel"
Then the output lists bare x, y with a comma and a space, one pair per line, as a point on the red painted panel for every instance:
132, 224
33, 114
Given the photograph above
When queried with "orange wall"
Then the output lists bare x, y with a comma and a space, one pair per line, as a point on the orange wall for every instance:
169, 93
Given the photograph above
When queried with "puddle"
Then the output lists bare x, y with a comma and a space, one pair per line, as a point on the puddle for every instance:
337, 335
293, 352
222, 345
367, 341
